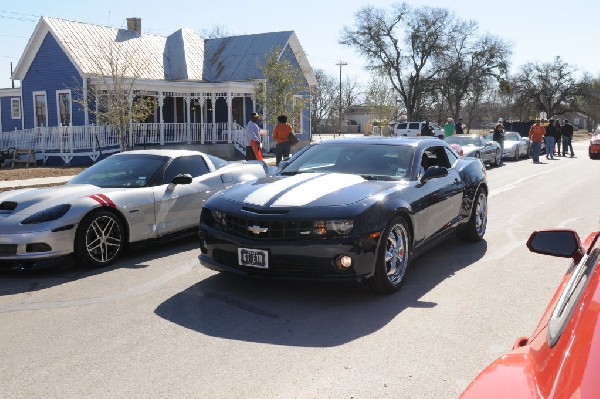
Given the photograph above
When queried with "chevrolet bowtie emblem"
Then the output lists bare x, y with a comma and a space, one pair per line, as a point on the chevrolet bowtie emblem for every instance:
257, 229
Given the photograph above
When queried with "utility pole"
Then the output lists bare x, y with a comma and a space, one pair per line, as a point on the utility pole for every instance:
340, 64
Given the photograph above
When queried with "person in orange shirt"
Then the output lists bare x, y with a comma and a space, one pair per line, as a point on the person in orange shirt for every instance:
281, 134
536, 135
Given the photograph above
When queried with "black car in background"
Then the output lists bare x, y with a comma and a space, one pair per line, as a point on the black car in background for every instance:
347, 209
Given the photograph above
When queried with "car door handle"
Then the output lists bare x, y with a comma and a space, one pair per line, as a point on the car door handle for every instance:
456, 181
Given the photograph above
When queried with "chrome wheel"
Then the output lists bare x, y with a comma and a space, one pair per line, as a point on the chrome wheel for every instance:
396, 254
480, 214
393, 255
474, 229
100, 239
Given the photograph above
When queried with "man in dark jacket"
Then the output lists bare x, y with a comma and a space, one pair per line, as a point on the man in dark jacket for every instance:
567, 136
426, 130
550, 137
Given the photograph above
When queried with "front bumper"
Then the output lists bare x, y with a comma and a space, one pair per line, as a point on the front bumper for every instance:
37, 249
594, 149
311, 259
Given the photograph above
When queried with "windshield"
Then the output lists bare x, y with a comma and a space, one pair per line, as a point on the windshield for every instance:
121, 171
371, 161
463, 140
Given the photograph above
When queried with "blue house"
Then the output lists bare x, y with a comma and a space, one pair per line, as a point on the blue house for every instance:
204, 89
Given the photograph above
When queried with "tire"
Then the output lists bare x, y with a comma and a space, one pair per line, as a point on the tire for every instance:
516, 157
392, 257
100, 239
474, 229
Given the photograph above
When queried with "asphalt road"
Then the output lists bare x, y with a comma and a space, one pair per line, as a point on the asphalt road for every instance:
157, 325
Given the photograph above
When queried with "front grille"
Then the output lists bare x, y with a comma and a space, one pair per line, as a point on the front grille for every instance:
8, 249
278, 265
272, 230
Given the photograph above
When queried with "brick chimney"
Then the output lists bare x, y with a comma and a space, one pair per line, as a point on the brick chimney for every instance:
134, 24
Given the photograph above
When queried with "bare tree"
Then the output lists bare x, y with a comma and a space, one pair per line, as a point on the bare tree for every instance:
468, 63
323, 97
380, 99
215, 32
280, 92
113, 93
402, 45
588, 102
549, 87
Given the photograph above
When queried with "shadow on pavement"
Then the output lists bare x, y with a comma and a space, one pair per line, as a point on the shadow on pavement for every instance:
308, 314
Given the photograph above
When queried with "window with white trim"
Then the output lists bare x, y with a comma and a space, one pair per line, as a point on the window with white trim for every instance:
41, 109
64, 106
15, 108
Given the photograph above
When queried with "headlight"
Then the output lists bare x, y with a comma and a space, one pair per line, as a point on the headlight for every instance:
341, 227
595, 142
47, 215
219, 218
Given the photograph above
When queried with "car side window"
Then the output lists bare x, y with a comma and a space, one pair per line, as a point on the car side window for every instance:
452, 158
437, 157
401, 126
193, 165
413, 125
571, 294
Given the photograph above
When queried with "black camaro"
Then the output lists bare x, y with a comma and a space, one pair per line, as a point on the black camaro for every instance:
358, 208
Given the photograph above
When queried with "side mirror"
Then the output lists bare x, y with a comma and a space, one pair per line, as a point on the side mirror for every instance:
561, 243
182, 179
434, 172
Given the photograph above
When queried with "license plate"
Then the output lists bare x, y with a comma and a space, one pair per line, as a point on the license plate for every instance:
253, 258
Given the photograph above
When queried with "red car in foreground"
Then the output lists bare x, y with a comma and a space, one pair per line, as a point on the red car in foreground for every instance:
594, 149
561, 360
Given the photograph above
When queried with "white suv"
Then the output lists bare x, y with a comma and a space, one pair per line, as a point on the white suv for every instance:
412, 129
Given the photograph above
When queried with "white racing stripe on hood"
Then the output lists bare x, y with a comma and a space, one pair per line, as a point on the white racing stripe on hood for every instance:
268, 192
314, 189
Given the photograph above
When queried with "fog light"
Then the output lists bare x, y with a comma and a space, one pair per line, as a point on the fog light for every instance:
343, 262
38, 247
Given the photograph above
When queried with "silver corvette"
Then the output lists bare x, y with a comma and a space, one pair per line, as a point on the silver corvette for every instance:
124, 199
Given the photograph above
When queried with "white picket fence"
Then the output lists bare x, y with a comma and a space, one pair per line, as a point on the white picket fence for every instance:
92, 141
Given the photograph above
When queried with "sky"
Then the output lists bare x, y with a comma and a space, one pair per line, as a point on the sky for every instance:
538, 31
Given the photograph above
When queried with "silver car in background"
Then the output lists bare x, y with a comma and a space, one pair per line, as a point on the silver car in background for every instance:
127, 198
515, 146
477, 146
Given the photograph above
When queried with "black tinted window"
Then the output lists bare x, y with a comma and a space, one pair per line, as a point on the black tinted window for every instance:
413, 125
192, 165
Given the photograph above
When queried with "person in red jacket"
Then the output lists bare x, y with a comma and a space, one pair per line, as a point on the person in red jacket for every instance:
281, 134
536, 135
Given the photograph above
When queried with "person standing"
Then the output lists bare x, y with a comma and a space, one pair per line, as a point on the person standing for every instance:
426, 130
558, 136
567, 137
498, 136
281, 134
449, 128
536, 135
253, 150
459, 127
549, 138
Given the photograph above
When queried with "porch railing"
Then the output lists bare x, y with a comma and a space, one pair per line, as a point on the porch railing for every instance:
92, 141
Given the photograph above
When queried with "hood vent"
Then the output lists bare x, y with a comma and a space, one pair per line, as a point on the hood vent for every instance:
8, 206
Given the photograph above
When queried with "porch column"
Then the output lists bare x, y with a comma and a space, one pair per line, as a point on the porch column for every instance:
161, 102
202, 110
187, 119
229, 116
213, 100
86, 114
244, 111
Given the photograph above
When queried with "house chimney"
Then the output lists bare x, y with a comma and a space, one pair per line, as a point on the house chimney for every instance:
134, 24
